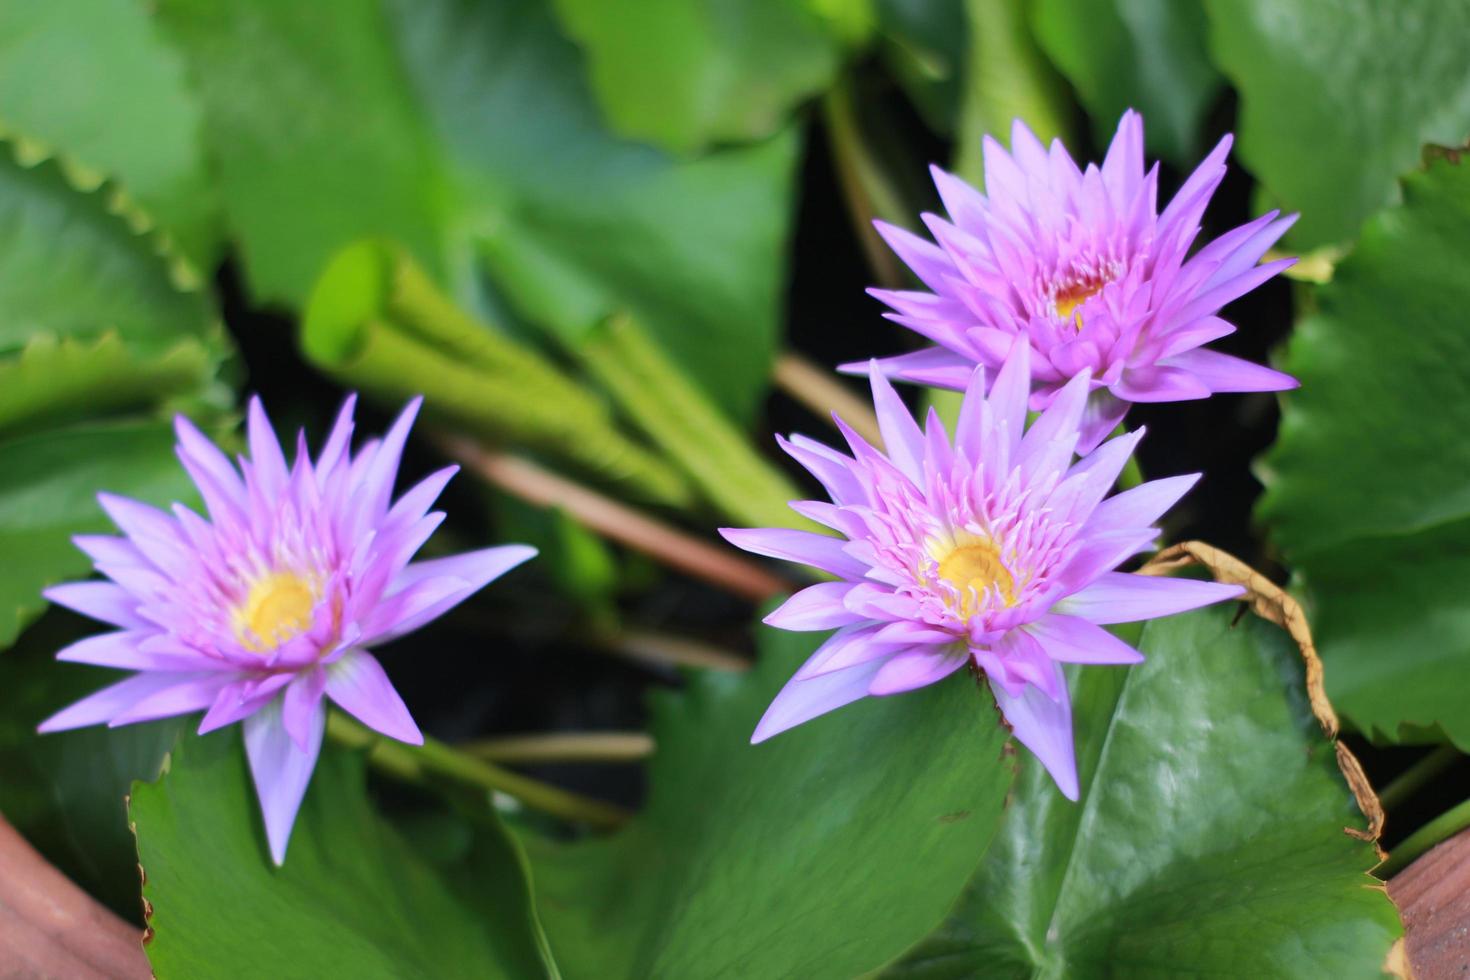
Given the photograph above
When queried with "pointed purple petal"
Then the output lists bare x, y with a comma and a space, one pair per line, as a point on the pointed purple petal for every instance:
804, 547
1045, 727
1121, 597
902, 440
1222, 372
915, 668
102, 601
111, 701
803, 700
359, 684
281, 770
474, 570
816, 607
1069, 640
1143, 505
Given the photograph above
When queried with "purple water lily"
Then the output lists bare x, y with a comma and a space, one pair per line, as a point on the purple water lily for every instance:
1081, 263
271, 605
992, 549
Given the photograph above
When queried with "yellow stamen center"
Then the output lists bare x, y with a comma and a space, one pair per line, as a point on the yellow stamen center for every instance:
277, 608
978, 566
1073, 296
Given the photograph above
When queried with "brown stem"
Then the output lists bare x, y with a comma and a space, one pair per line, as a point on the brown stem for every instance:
660, 648
821, 392
554, 747
617, 521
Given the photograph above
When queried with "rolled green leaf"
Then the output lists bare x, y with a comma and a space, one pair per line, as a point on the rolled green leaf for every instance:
376, 322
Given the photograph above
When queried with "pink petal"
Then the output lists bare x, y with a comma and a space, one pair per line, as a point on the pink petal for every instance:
359, 684
1120, 597
1222, 372
114, 700
804, 547
816, 607
102, 601
1045, 727
474, 570
300, 704
915, 668
902, 440
1143, 505
1067, 639
803, 700
281, 769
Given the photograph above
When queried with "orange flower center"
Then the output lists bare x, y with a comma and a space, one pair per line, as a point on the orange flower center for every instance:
1074, 295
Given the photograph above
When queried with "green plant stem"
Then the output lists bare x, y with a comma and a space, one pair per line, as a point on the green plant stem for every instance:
1421, 772
1441, 828
867, 189
417, 763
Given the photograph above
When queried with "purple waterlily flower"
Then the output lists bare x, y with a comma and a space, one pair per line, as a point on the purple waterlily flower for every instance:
271, 605
993, 549
1081, 263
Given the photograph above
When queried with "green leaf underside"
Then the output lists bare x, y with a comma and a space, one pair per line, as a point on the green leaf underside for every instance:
1330, 116
401, 125
1369, 483
352, 900
683, 75
48, 492
93, 81
825, 851
1209, 840
66, 791
73, 269
1147, 55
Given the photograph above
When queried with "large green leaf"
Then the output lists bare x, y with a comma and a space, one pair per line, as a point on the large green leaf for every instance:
467, 132
683, 74
1337, 96
91, 79
1147, 55
48, 492
824, 852
1368, 486
67, 791
1209, 840
74, 268
352, 900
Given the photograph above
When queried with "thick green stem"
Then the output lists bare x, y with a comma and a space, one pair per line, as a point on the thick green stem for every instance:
1440, 829
1421, 772
867, 189
417, 763
687, 426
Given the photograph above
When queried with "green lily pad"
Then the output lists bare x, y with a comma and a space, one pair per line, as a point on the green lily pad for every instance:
1147, 55
92, 81
1368, 485
1337, 96
73, 268
683, 75
352, 900
1209, 840
466, 132
823, 852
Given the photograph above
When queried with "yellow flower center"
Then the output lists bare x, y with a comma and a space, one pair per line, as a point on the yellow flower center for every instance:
1069, 298
978, 566
277, 608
